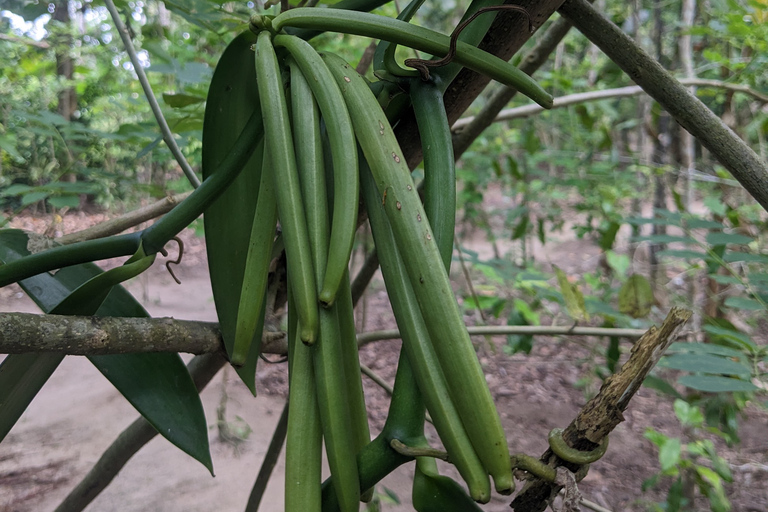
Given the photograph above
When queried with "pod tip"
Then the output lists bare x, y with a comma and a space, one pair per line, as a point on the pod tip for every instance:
326, 298
308, 337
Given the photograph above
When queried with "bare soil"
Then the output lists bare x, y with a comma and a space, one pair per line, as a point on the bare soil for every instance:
78, 414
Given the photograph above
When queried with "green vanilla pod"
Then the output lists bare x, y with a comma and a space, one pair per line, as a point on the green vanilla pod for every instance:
256, 274
327, 353
423, 262
289, 205
417, 345
345, 176
418, 38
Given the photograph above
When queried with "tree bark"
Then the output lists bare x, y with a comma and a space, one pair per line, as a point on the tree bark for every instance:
505, 37
64, 64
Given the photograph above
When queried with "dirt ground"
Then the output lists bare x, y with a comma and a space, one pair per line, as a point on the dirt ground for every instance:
77, 415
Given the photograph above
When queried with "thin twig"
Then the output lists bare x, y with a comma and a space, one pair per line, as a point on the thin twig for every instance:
126, 221
376, 378
270, 460
164, 128
501, 330
468, 278
22, 333
607, 94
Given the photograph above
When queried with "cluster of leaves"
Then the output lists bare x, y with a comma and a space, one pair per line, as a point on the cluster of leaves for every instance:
108, 144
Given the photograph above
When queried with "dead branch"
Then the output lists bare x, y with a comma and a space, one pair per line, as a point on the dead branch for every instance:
605, 411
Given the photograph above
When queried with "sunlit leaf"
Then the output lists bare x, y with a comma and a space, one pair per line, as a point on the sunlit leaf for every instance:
574, 299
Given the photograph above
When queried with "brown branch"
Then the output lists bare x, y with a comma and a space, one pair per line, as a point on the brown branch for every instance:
22, 333
532, 61
605, 411
84, 335
506, 36
745, 165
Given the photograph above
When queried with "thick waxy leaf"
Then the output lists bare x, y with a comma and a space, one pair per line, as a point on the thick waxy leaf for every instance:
636, 297
158, 385
437, 493
232, 98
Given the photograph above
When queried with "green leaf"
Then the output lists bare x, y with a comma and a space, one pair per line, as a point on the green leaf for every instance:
731, 336
64, 201
21, 378
620, 263
704, 348
232, 98
661, 385
181, 100
636, 297
720, 238
521, 228
716, 384
688, 414
437, 493
686, 254
518, 342
608, 236
33, 197
87, 298
704, 363
719, 278
744, 303
158, 385
669, 454
730, 257
574, 299
704, 224
664, 239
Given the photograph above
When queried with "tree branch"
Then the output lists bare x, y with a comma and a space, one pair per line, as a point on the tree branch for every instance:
22, 333
533, 60
126, 221
607, 94
676, 99
605, 411
84, 335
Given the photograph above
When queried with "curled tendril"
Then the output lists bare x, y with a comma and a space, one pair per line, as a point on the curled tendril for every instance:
176, 261
423, 65
569, 454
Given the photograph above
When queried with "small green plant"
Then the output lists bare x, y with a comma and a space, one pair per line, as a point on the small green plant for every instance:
691, 464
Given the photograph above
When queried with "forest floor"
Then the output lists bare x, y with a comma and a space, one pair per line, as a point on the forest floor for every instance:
78, 414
